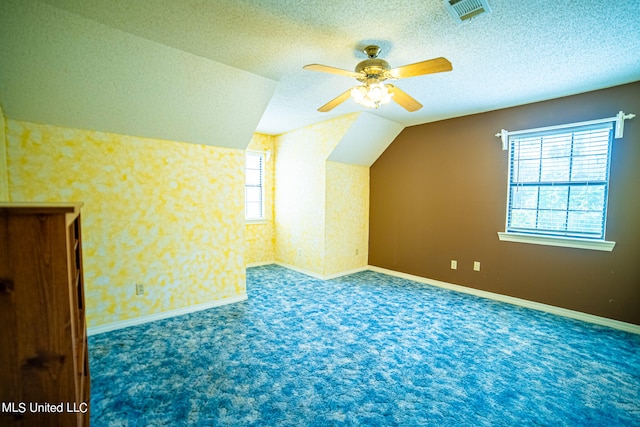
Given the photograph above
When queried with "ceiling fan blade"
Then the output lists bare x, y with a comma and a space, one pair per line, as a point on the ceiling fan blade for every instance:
335, 102
430, 66
332, 70
403, 99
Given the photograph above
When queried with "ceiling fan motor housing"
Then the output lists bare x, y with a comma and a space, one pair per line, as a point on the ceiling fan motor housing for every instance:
373, 68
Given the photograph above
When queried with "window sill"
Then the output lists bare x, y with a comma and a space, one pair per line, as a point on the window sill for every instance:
255, 221
567, 242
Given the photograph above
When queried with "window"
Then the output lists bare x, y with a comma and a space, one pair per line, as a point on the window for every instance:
558, 182
254, 186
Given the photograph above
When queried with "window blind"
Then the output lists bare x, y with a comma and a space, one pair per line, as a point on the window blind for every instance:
559, 181
253, 190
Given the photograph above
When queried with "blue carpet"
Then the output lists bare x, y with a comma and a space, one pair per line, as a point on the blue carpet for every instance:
364, 350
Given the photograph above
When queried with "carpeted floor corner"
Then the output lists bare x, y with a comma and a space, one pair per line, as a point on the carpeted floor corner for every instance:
364, 350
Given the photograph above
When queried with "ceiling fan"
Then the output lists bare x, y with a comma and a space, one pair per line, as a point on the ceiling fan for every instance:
372, 72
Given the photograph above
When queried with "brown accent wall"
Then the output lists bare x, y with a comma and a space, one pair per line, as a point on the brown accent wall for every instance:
439, 193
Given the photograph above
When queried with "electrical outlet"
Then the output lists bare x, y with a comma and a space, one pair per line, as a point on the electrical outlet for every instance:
476, 265
357, 251
454, 264
299, 251
139, 289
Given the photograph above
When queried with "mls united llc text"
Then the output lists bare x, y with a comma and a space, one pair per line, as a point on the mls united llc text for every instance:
46, 407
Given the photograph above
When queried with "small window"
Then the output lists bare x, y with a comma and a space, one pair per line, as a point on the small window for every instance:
254, 186
559, 182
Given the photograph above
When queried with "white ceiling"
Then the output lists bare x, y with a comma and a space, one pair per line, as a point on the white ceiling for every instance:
214, 72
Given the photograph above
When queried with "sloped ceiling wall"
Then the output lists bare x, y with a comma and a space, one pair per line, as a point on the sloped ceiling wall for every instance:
366, 140
61, 69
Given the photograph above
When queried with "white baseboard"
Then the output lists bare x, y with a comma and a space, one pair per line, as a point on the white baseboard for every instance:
309, 272
300, 270
346, 273
258, 264
164, 315
603, 321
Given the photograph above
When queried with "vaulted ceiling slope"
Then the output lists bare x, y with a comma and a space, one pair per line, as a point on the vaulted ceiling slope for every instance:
58, 68
214, 72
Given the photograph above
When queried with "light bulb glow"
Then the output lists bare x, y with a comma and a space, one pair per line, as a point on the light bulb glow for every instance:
371, 95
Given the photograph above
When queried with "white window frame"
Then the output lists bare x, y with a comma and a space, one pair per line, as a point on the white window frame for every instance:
550, 240
263, 158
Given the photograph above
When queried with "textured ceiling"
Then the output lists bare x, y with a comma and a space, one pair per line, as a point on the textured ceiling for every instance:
215, 65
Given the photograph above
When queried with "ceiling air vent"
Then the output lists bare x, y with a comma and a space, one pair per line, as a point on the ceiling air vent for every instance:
464, 10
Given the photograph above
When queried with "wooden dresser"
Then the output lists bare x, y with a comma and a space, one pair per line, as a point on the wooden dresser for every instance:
44, 365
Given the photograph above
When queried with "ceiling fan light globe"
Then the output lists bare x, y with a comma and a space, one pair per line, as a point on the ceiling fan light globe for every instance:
386, 99
377, 92
359, 93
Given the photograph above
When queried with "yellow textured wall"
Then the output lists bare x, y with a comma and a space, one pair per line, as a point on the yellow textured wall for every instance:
166, 214
4, 178
260, 236
346, 217
300, 188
